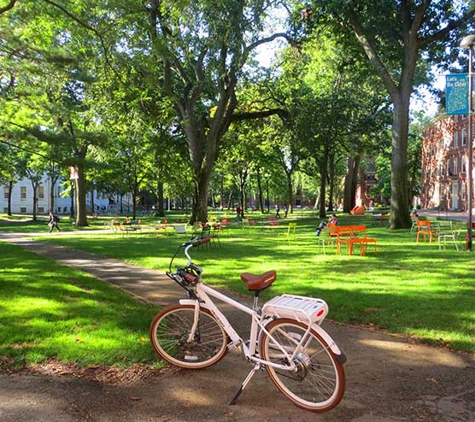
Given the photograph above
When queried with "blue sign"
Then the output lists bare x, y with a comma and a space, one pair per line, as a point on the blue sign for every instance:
456, 93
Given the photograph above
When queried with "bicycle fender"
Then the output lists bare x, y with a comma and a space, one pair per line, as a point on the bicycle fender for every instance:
333, 346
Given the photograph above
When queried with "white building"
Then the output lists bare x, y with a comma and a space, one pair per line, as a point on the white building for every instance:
22, 199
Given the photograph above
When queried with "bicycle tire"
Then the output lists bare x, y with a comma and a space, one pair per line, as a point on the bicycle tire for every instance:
318, 384
169, 333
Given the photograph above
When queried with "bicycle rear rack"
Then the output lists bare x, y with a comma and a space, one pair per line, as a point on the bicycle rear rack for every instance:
304, 309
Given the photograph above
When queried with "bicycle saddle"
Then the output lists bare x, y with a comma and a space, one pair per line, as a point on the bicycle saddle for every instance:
257, 282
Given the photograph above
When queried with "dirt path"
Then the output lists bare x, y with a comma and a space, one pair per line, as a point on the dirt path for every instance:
388, 378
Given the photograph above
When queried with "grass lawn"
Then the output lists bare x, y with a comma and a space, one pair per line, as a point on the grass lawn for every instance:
407, 288
51, 311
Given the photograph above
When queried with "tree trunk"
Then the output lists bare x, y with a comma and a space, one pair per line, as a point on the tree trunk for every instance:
160, 200
348, 198
331, 180
81, 212
72, 195
10, 188
354, 180
400, 217
351, 182
222, 193
290, 191
199, 211
259, 191
93, 205
242, 199
51, 194
323, 181
135, 194
35, 199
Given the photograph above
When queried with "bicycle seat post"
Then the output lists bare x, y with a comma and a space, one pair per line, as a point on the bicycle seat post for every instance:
255, 304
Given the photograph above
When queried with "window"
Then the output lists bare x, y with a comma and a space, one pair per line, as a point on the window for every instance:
449, 171
464, 164
5, 210
456, 167
456, 139
41, 192
6, 191
464, 137
59, 209
23, 192
41, 210
23, 209
463, 191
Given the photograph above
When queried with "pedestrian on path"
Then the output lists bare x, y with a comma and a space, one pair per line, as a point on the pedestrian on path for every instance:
53, 222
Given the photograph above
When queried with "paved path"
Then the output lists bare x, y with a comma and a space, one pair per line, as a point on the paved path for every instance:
388, 378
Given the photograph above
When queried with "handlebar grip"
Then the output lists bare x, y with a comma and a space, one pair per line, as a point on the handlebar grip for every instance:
197, 242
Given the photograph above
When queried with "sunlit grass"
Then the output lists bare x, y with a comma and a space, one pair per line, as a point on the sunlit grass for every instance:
408, 288
51, 311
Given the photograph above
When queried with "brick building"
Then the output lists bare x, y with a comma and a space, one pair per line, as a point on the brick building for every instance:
444, 164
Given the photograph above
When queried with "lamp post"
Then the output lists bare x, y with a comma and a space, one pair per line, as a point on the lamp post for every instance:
469, 42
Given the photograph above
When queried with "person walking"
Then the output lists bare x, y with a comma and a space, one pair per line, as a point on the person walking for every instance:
53, 222
286, 210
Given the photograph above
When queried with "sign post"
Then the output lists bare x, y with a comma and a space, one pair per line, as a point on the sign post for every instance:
458, 100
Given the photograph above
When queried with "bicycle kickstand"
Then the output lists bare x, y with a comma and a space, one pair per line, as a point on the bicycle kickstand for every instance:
256, 368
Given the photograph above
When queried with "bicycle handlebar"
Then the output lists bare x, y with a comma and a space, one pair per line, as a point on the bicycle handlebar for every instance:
197, 242
193, 243
187, 245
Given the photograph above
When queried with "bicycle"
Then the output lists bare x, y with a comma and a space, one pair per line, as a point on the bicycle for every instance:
286, 338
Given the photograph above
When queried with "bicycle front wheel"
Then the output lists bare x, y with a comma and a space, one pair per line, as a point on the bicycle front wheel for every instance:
318, 383
170, 336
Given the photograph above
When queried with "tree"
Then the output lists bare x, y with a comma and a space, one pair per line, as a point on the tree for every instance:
53, 98
334, 107
394, 42
8, 169
202, 47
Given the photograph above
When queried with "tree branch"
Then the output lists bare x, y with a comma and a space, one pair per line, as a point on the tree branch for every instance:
269, 39
283, 114
372, 54
454, 24
87, 26
8, 6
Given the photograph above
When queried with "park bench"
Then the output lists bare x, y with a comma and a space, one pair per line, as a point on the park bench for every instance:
354, 235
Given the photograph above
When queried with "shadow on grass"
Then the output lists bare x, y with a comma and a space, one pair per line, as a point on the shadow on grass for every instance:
48, 310
406, 287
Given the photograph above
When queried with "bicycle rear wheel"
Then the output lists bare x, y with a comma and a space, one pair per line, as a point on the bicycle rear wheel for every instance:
318, 383
170, 331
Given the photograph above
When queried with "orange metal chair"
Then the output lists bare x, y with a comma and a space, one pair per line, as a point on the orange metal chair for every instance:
425, 229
